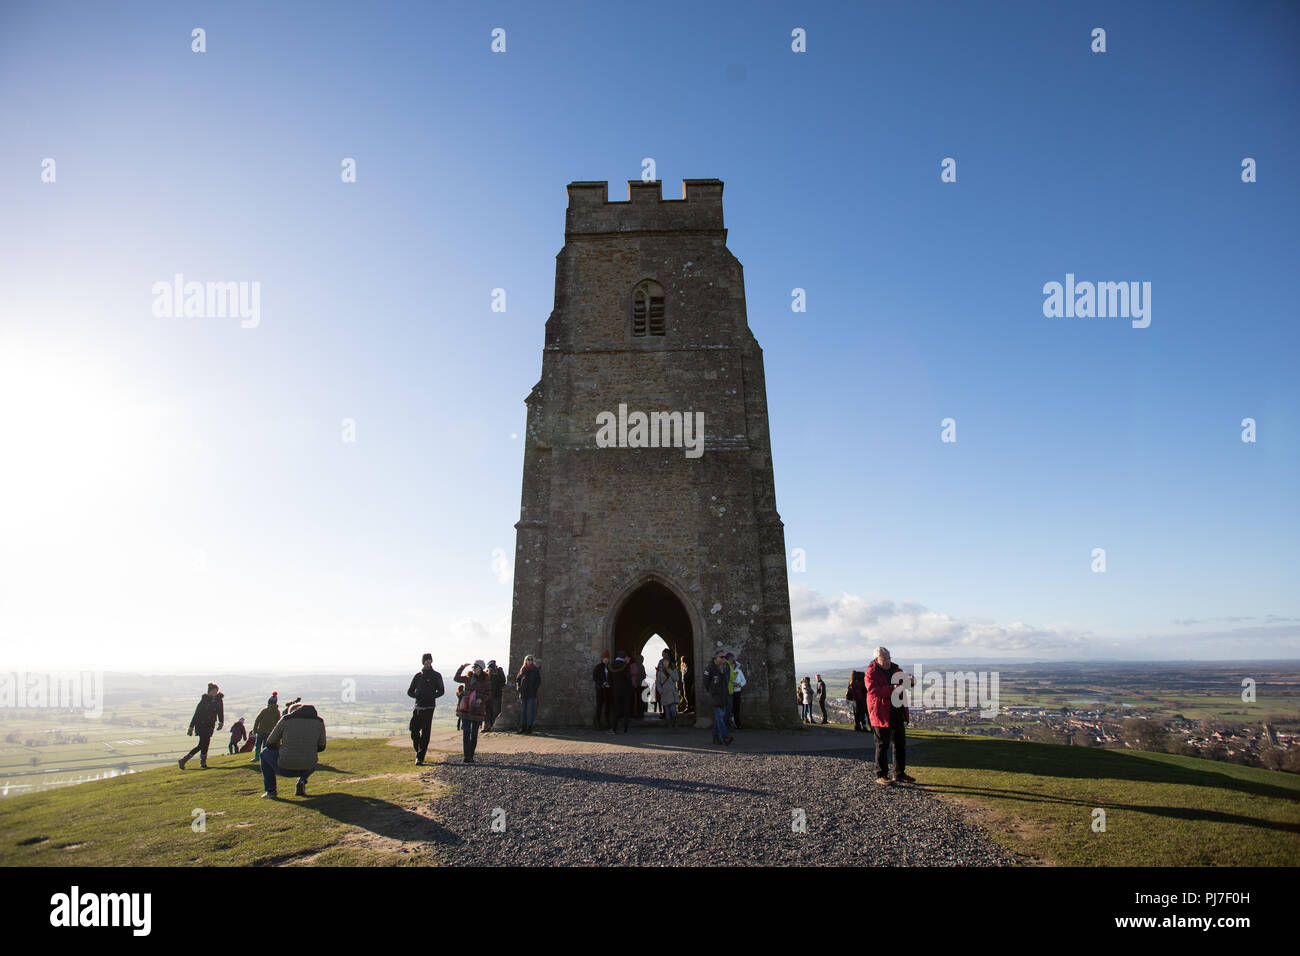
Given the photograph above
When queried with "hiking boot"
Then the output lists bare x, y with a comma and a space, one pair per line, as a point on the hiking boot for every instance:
271, 795
883, 781
904, 778
419, 761
203, 764
181, 763
301, 789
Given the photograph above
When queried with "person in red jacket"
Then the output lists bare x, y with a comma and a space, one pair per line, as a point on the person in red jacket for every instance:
887, 715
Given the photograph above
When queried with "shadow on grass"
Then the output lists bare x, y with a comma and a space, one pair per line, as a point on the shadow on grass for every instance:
1177, 813
1053, 760
380, 817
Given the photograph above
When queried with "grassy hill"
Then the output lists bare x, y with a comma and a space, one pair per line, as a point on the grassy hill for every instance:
1161, 809
368, 806
365, 805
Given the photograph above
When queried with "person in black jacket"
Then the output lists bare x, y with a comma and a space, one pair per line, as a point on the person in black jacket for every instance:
528, 682
620, 678
821, 697
426, 687
210, 712
497, 675
600, 679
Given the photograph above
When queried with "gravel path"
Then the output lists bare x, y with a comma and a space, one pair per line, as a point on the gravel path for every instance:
690, 808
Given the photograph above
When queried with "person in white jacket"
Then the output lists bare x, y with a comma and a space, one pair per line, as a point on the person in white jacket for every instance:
737, 685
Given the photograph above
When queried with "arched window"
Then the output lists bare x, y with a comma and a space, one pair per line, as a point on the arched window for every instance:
647, 309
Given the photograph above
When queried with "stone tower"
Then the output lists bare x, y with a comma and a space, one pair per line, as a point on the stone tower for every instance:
629, 525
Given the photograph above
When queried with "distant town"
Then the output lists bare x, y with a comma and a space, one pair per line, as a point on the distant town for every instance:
1248, 714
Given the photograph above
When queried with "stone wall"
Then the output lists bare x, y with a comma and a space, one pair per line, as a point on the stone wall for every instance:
596, 523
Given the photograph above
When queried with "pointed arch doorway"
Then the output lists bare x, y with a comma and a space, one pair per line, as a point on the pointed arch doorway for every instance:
655, 609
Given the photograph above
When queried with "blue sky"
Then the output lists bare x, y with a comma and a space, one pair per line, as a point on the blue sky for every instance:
172, 485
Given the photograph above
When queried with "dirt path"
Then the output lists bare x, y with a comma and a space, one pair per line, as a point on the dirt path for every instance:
658, 798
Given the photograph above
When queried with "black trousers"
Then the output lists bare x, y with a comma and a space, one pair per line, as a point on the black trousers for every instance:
859, 715
421, 725
884, 736
201, 748
602, 718
622, 707
821, 702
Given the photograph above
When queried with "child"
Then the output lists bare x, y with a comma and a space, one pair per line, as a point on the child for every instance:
460, 692
237, 735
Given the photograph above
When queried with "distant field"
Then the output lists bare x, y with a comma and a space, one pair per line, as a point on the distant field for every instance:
144, 720
1196, 691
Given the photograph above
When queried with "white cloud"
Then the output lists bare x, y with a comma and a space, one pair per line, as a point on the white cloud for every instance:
850, 626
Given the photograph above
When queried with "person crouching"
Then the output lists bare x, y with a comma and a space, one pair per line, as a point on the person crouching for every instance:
291, 748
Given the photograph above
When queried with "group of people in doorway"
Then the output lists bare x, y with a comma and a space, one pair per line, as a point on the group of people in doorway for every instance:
623, 691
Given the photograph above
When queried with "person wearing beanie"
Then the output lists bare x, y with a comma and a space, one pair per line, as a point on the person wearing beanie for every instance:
208, 713
473, 706
264, 724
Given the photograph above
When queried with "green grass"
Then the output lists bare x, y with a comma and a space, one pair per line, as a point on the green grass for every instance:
368, 806
365, 805
1161, 809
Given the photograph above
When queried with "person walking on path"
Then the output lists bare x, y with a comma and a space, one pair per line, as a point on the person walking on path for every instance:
620, 678
887, 716
237, 736
604, 692
821, 697
857, 696
528, 682
210, 711
292, 749
716, 678
426, 687
266, 720
666, 678
474, 705
497, 675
